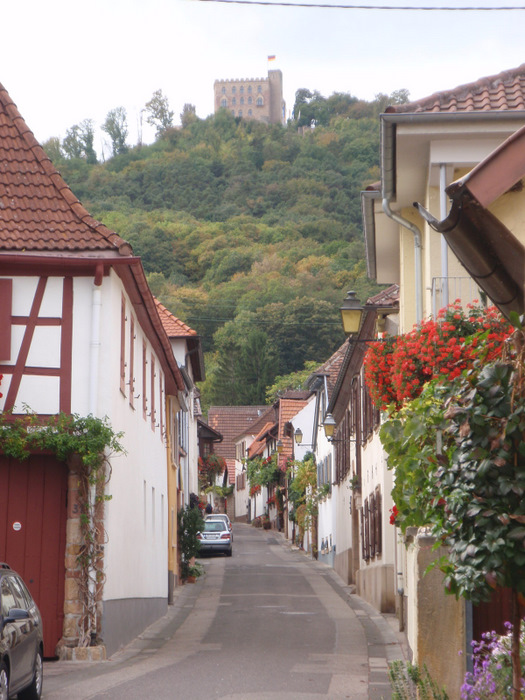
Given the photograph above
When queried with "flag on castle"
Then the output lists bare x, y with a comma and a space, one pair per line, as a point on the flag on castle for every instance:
271, 58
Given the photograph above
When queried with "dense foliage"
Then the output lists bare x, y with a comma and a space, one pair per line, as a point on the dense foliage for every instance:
460, 470
250, 233
397, 369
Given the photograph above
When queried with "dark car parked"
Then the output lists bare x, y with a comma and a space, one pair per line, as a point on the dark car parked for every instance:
21, 643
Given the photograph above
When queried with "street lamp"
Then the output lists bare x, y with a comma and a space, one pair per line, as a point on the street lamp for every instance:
351, 314
329, 426
279, 446
298, 435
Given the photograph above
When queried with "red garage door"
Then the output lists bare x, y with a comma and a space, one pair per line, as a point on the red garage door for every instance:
33, 533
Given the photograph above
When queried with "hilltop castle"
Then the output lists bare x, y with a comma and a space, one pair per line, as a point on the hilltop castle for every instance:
253, 98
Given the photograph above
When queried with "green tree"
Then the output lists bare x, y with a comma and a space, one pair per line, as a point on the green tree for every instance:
159, 114
188, 115
79, 141
116, 127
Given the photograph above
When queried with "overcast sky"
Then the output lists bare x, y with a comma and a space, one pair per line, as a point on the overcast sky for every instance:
65, 60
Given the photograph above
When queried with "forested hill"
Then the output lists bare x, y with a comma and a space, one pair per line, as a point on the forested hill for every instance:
250, 233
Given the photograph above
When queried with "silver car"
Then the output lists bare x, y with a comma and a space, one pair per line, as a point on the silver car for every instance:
215, 537
224, 518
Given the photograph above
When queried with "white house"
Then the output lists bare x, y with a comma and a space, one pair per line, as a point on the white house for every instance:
80, 334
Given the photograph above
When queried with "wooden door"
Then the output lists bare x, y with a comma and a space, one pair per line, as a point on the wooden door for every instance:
493, 614
33, 533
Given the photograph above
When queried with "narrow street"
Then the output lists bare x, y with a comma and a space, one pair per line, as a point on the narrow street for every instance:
269, 623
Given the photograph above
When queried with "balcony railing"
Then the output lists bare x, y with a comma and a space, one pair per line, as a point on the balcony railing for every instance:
445, 291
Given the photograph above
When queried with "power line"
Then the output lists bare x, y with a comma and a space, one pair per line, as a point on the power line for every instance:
268, 3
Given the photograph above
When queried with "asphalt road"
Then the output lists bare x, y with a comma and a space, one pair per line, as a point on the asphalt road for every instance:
266, 624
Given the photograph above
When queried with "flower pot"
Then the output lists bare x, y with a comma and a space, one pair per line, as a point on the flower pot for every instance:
191, 579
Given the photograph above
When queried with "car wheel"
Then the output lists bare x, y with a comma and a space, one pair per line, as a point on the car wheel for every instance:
4, 682
229, 552
34, 691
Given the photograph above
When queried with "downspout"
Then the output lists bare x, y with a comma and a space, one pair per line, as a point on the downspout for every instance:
94, 344
444, 245
387, 182
94, 362
417, 254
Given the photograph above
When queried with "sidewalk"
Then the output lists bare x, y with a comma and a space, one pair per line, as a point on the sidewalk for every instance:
385, 642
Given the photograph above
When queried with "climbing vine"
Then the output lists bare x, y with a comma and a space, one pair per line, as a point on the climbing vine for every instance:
85, 444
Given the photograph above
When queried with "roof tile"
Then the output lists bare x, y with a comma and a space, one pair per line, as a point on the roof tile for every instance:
501, 92
174, 327
231, 421
38, 211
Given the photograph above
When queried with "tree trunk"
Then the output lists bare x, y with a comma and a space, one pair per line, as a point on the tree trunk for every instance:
515, 648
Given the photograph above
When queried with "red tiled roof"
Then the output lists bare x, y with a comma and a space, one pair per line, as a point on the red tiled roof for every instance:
38, 211
231, 421
173, 326
230, 466
332, 366
502, 92
387, 297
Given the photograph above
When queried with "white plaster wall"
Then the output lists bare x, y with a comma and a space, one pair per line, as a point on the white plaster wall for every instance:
136, 516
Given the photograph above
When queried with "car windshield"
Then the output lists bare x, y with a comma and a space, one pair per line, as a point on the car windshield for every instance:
216, 526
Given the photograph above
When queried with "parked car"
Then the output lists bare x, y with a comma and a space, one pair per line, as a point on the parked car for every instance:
21, 641
215, 537
224, 518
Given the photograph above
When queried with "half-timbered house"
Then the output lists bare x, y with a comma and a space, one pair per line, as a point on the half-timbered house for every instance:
80, 334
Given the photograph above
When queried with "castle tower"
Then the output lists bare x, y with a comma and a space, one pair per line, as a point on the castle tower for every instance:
252, 98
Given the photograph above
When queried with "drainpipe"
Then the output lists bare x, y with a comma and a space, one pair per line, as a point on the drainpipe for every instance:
94, 345
444, 244
387, 189
417, 254
94, 361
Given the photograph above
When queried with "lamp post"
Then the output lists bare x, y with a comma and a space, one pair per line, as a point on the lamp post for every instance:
351, 314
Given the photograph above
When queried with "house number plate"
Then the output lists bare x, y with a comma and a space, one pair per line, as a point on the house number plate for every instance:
17, 526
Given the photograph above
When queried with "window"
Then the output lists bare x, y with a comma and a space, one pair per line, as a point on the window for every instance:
144, 366
131, 361
224, 103
223, 90
249, 89
250, 112
240, 113
259, 102
8, 598
250, 100
259, 88
234, 101
371, 526
161, 398
241, 89
152, 401
123, 345
234, 90
241, 100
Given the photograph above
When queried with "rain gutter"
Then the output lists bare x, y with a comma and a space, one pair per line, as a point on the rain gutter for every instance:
387, 192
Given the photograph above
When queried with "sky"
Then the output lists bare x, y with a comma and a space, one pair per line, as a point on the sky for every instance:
64, 61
